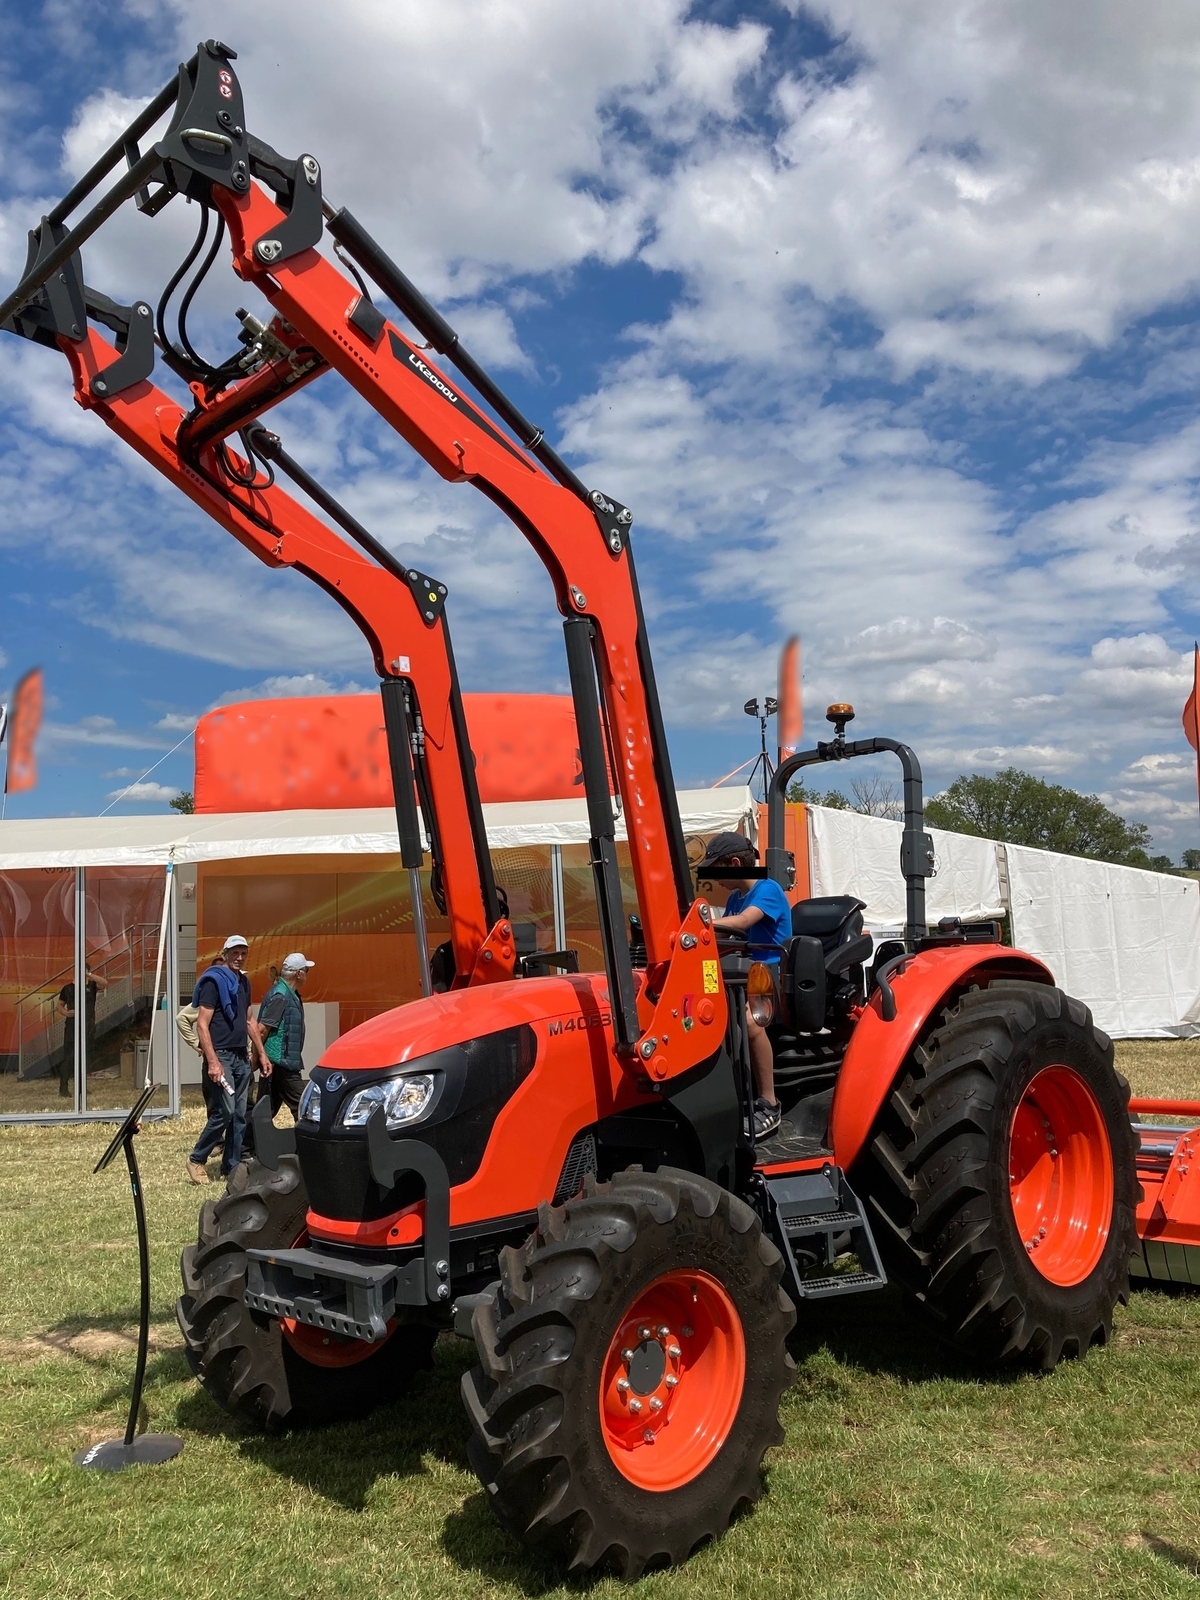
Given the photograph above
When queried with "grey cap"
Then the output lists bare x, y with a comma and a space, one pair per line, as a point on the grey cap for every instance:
236, 942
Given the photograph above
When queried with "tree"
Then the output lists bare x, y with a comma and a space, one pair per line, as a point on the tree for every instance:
873, 796
1191, 860
799, 794
1017, 808
184, 801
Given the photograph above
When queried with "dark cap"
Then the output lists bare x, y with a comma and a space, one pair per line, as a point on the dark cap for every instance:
724, 845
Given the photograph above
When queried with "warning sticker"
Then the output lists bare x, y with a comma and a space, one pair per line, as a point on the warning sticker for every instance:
712, 983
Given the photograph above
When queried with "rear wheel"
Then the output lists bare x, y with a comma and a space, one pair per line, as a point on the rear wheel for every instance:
278, 1374
1003, 1176
632, 1361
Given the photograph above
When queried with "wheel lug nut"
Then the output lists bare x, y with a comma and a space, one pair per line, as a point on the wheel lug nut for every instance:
686, 1331
674, 1352
664, 1331
656, 1404
626, 1356
643, 1333
623, 1384
671, 1380
1041, 1233
648, 1435
635, 1406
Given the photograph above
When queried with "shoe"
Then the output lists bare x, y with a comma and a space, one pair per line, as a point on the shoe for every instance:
197, 1172
768, 1114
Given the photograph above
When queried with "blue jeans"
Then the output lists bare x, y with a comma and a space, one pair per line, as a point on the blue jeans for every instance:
226, 1112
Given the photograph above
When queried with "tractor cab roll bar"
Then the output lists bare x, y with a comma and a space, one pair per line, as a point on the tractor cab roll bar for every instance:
916, 846
273, 210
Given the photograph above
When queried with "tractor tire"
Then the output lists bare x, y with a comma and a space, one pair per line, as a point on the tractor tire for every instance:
258, 1369
1002, 1176
632, 1361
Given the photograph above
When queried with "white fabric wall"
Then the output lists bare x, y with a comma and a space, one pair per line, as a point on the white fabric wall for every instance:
851, 854
1125, 941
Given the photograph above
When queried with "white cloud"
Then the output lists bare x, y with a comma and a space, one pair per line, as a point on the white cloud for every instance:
176, 722
144, 791
284, 686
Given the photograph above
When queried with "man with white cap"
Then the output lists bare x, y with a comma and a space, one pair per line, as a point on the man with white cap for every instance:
281, 1023
226, 1032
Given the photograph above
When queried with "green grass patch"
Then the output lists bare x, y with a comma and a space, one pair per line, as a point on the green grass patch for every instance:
904, 1472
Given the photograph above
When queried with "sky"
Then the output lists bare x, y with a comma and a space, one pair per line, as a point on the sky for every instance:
881, 315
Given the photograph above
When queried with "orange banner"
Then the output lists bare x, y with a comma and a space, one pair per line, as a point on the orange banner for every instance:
791, 705
1191, 726
329, 751
24, 721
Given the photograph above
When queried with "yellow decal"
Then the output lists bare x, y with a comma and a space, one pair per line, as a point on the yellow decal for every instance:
712, 984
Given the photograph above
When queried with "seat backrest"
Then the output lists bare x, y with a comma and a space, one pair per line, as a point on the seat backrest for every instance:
833, 918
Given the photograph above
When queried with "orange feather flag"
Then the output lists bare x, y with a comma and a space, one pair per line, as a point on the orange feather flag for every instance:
1190, 725
25, 718
791, 705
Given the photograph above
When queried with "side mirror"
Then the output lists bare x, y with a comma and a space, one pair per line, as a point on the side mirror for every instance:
803, 986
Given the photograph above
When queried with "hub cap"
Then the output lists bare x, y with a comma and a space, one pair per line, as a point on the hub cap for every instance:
322, 1349
1060, 1175
672, 1380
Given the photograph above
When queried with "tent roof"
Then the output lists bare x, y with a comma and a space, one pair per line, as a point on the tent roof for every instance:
153, 841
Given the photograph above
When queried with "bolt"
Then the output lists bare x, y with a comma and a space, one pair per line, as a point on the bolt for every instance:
663, 1330
626, 1356
99, 385
687, 941
75, 329
671, 1380
598, 499
311, 170
648, 1435
578, 598
1054, 1152
143, 310
656, 1404
643, 1333
442, 1268
647, 1048
623, 1384
635, 1406
268, 249
705, 913
1041, 1233
674, 1352
614, 542
686, 1331
625, 517
443, 1291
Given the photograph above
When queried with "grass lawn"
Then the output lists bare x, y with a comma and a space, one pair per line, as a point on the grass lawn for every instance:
904, 1471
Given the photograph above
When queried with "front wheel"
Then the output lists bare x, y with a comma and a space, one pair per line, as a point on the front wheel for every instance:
1003, 1178
632, 1361
278, 1374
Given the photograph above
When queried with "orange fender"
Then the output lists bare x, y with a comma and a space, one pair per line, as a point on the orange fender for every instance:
879, 1049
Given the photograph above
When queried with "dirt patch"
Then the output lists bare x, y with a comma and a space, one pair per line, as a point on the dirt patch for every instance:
91, 1344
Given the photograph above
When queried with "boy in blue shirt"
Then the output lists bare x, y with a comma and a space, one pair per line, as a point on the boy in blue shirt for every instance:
759, 909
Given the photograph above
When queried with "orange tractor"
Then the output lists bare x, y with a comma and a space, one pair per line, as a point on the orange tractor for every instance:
562, 1166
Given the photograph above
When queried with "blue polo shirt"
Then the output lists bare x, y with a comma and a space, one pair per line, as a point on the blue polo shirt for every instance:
766, 938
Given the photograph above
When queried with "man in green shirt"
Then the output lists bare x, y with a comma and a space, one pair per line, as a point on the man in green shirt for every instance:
281, 1023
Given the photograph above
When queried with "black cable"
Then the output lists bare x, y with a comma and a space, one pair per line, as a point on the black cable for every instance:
201, 233
205, 367
353, 271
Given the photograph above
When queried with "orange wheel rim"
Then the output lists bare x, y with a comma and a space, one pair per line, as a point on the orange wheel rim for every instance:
326, 1349
1060, 1174
672, 1381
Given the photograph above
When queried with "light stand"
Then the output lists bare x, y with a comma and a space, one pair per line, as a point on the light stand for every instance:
145, 1449
762, 760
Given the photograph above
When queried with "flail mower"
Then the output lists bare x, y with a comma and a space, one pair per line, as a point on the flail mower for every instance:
561, 1166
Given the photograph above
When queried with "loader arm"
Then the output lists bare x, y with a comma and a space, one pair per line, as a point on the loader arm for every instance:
581, 537
406, 629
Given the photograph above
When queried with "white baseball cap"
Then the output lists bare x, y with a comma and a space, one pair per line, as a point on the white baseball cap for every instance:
296, 962
236, 942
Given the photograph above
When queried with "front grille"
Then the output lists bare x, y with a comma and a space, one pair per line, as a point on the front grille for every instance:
337, 1175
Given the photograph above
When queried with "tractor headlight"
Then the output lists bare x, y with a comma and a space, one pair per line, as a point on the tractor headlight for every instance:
310, 1104
403, 1100
760, 994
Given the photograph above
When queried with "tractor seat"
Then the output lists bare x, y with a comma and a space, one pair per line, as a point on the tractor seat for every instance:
835, 919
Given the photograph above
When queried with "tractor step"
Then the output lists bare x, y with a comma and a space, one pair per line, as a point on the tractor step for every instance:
816, 1218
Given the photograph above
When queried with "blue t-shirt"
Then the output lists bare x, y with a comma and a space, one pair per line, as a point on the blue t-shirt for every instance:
767, 936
